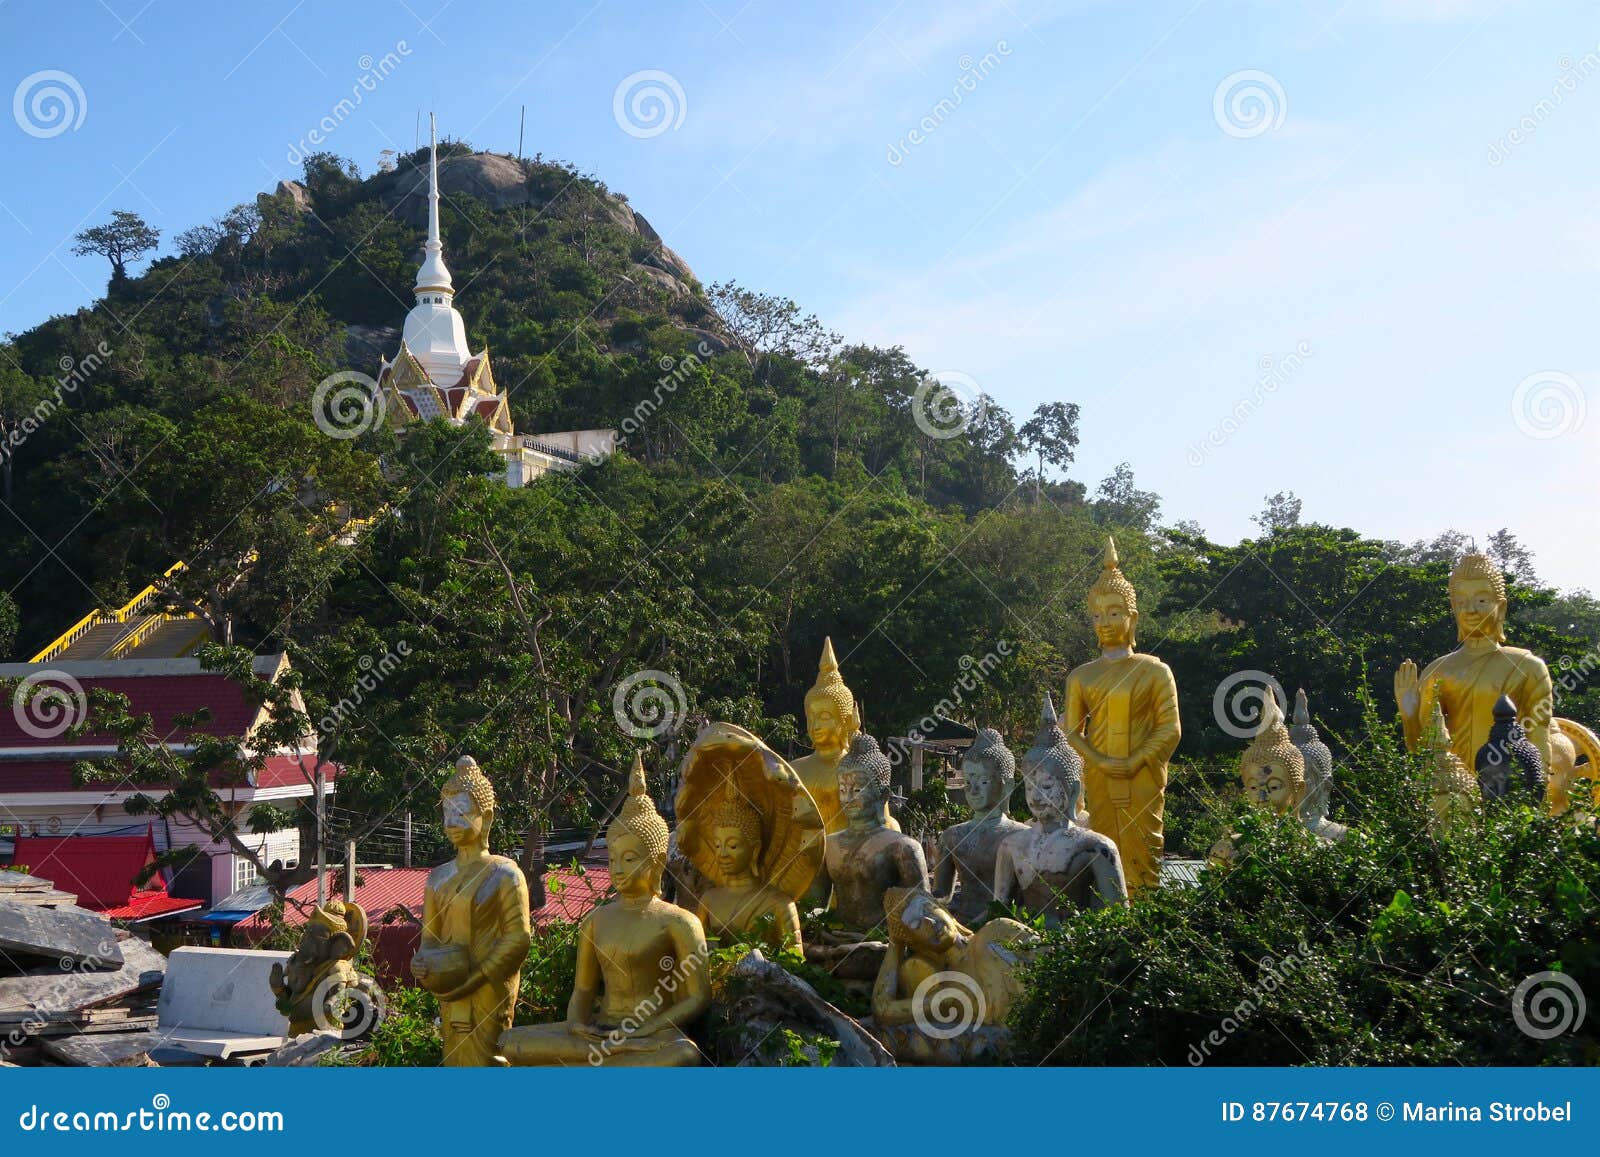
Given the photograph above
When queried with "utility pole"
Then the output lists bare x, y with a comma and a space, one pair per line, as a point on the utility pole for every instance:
405, 846
520, 126
322, 827
350, 872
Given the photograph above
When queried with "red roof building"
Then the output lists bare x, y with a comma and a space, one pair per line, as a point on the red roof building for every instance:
101, 871
39, 797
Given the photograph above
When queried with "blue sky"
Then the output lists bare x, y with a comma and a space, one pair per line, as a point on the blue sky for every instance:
1093, 220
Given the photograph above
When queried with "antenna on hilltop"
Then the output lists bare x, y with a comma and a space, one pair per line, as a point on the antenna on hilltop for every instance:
521, 124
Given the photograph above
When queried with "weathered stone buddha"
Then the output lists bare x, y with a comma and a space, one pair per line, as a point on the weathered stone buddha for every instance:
943, 991
1508, 762
1122, 718
963, 874
867, 857
1273, 773
1319, 774
1054, 866
1467, 682
475, 928
1455, 792
833, 717
745, 826
315, 988
642, 967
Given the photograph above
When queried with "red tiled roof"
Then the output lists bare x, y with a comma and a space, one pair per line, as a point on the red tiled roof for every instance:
149, 905
452, 399
159, 696
101, 870
487, 407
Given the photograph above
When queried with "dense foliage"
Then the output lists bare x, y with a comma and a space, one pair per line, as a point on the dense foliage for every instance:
1397, 946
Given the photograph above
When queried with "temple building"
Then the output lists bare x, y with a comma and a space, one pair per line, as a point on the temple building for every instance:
436, 375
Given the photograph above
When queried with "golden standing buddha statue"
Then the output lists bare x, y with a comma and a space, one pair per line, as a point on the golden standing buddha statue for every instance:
746, 824
832, 719
1122, 718
641, 962
475, 928
1467, 682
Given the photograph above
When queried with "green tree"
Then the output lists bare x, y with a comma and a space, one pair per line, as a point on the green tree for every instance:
124, 238
1051, 435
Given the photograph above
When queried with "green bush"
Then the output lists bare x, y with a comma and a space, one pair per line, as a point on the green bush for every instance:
1395, 946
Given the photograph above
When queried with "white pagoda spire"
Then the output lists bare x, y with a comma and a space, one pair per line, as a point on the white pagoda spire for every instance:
434, 332
434, 275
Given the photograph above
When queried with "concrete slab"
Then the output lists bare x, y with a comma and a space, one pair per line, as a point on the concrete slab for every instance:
217, 1002
64, 936
50, 996
123, 1050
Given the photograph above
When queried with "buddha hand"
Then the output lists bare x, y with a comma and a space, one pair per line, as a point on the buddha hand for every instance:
1408, 689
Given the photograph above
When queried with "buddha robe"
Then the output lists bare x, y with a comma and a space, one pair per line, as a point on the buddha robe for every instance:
1469, 682
1127, 707
483, 909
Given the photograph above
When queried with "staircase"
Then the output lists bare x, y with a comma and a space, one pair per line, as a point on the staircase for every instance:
141, 629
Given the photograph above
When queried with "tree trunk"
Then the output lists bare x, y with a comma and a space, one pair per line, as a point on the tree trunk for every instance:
533, 865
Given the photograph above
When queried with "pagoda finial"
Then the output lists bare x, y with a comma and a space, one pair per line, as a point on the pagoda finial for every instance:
434, 276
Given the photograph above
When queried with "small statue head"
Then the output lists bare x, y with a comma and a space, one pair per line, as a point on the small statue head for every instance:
326, 935
989, 771
1052, 772
1113, 603
1478, 599
735, 838
863, 778
636, 841
832, 716
1273, 770
468, 799
918, 921
1318, 762
1455, 789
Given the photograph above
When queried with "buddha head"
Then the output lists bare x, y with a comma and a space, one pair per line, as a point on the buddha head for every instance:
1273, 770
636, 841
1478, 599
735, 839
863, 779
1317, 758
1455, 791
1052, 772
1113, 603
831, 714
468, 799
989, 771
917, 921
